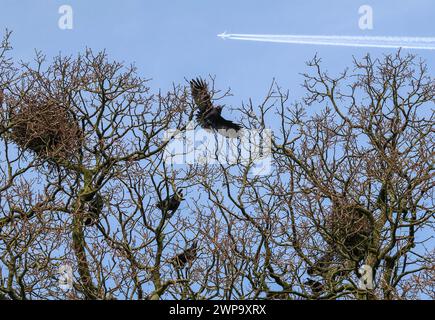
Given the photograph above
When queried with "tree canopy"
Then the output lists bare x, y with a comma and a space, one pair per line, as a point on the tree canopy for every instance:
84, 183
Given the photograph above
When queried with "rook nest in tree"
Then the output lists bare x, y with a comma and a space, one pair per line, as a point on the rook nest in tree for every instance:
46, 128
349, 230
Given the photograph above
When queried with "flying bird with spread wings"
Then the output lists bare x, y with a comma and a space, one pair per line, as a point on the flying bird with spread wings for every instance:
209, 116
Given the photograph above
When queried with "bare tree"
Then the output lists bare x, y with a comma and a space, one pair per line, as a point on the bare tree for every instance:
357, 179
85, 183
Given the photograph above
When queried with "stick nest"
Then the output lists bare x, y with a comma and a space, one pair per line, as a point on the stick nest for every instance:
349, 229
45, 127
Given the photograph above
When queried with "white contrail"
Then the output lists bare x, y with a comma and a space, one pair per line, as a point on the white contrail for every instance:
350, 41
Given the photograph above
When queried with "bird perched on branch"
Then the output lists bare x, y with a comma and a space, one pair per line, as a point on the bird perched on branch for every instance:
171, 203
315, 286
322, 264
95, 206
187, 256
209, 116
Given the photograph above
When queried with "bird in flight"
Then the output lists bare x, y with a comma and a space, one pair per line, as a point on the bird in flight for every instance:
171, 203
209, 116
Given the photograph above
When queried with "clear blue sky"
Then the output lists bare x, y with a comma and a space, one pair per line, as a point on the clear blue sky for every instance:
172, 39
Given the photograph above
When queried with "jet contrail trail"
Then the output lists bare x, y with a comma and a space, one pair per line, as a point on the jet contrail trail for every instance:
349, 41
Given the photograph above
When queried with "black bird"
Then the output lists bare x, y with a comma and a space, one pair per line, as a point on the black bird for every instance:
322, 265
315, 286
187, 256
94, 210
171, 204
209, 116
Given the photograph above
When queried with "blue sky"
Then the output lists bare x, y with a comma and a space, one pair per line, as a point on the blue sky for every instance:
171, 40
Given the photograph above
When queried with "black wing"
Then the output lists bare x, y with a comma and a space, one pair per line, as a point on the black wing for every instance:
179, 261
221, 123
201, 95
162, 204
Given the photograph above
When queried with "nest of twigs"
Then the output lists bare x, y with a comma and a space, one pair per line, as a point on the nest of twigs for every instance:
349, 230
45, 127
